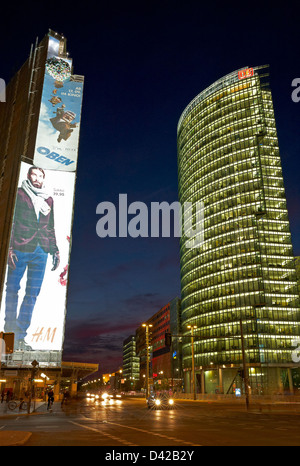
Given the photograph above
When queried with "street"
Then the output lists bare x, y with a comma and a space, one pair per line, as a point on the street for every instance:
130, 424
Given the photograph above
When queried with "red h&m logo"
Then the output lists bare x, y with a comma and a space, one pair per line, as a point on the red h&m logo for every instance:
246, 73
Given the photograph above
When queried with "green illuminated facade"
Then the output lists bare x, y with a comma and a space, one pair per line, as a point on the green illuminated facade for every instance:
131, 364
243, 274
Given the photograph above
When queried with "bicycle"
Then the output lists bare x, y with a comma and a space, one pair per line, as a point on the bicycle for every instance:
50, 404
21, 404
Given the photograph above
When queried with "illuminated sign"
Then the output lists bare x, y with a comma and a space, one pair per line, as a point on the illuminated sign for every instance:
33, 304
57, 138
247, 73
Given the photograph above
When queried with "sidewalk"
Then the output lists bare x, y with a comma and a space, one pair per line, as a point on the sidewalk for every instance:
12, 438
4, 411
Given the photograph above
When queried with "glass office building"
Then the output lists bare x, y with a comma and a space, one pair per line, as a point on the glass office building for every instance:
240, 285
131, 364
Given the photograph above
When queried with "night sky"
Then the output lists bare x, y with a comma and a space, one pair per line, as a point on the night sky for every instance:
143, 63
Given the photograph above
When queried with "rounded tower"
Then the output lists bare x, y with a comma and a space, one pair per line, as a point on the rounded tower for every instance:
239, 287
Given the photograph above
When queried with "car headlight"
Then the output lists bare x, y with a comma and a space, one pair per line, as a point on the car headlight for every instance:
171, 402
157, 402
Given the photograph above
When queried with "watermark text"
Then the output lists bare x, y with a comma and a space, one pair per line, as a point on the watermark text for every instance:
296, 92
2, 90
163, 220
296, 352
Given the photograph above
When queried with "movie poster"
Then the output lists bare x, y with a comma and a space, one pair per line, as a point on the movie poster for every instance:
33, 304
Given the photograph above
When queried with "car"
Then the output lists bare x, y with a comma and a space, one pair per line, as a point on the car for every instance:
115, 395
160, 401
111, 397
92, 397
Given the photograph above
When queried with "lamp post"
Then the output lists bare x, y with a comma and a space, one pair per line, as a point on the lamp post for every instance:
147, 326
245, 368
192, 327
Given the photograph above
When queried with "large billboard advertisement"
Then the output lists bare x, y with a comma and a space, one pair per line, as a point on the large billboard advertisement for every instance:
33, 303
60, 113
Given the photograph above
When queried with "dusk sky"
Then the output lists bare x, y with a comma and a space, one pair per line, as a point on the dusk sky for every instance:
143, 63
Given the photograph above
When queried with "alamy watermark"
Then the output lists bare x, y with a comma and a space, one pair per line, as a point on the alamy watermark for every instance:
296, 352
296, 92
2, 90
137, 221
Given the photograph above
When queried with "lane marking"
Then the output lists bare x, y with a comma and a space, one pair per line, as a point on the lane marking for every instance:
138, 430
112, 437
156, 434
47, 427
147, 432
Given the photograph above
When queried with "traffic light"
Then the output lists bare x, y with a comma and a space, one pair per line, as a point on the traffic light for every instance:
168, 339
241, 373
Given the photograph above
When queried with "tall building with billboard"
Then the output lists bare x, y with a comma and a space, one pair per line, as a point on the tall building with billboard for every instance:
165, 366
239, 286
39, 127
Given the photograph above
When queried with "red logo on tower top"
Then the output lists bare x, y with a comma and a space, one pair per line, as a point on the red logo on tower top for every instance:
246, 73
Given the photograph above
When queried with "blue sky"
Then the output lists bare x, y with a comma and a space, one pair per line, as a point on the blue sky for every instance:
143, 63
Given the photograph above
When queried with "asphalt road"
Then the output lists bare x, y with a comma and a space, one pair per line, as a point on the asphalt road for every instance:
130, 424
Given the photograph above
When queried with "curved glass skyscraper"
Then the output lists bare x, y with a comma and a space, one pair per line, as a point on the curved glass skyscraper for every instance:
240, 285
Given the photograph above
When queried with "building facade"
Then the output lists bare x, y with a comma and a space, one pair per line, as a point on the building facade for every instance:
238, 286
131, 364
297, 264
165, 365
39, 127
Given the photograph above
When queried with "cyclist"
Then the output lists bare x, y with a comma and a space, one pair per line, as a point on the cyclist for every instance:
66, 398
50, 398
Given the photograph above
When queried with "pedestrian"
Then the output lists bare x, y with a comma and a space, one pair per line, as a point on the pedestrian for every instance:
9, 396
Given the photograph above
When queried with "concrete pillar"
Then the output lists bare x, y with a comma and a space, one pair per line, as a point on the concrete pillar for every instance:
73, 389
73, 386
221, 387
202, 382
57, 389
187, 381
279, 381
291, 387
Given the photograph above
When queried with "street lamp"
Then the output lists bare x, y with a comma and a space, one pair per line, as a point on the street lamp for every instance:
192, 328
147, 326
245, 369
